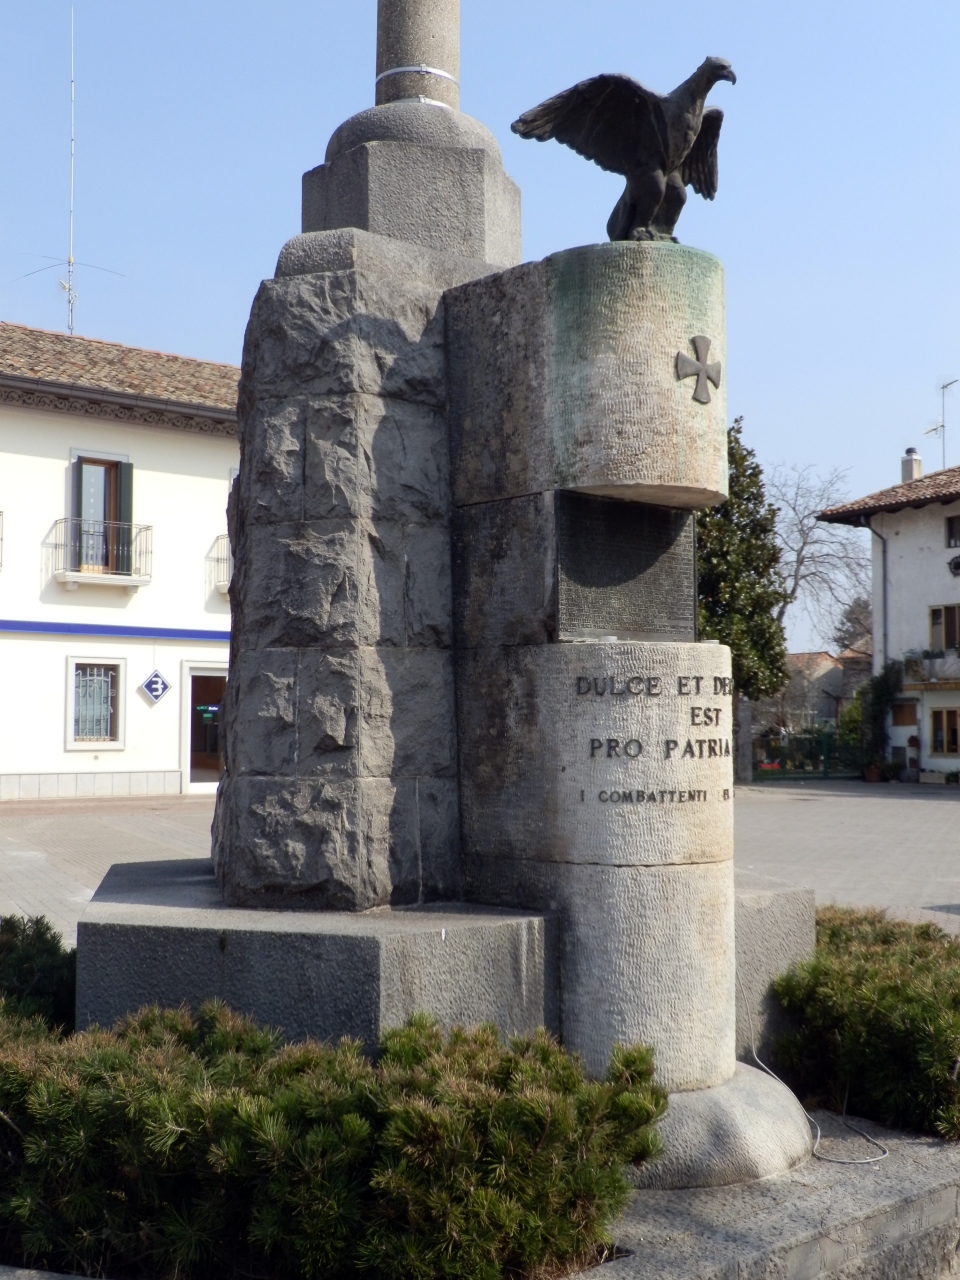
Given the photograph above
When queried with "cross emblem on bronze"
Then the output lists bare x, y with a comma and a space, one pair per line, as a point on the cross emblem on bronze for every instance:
699, 369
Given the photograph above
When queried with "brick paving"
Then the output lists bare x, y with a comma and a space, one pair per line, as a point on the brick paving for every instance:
896, 846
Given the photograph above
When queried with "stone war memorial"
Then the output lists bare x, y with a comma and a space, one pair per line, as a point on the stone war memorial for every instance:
477, 761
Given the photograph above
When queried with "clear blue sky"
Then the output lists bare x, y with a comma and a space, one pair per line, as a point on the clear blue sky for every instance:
836, 217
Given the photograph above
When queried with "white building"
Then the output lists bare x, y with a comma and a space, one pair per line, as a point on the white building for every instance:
916, 607
115, 466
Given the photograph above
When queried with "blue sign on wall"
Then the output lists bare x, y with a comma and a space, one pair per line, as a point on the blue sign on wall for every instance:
155, 686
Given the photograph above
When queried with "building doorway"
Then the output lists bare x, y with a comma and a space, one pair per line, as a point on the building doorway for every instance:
206, 757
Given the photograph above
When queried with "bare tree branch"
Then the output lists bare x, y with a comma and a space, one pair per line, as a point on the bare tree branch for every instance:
824, 567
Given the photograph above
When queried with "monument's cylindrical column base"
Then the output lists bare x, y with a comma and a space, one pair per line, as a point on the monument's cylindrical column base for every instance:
646, 955
749, 1127
596, 781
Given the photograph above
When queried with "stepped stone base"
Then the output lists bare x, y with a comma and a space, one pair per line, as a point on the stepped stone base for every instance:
153, 934
898, 1219
160, 933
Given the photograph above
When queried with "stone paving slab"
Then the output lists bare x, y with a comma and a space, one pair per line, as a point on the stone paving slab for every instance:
896, 1219
54, 853
892, 845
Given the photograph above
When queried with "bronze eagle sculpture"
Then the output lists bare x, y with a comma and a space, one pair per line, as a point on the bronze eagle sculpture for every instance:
660, 144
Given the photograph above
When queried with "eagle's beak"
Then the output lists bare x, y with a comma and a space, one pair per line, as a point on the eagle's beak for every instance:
731, 76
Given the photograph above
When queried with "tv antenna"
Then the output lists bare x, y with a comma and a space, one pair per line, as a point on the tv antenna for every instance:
70, 262
941, 428
68, 283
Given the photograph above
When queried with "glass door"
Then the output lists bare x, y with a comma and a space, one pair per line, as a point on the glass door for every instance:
206, 695
98, 500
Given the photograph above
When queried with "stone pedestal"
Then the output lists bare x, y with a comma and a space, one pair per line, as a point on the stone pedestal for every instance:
421, 174
563, 376
159, 933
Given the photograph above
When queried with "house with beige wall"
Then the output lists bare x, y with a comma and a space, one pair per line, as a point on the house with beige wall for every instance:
115, 467
916, 607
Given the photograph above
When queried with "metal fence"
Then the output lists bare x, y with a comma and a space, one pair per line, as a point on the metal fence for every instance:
821, 754
105, 547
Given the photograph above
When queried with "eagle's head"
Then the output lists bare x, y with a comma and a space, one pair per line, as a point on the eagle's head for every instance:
719, 69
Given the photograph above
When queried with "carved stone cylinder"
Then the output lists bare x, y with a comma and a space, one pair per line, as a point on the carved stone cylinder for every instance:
577, 386
596, 781
595, 735
421, 34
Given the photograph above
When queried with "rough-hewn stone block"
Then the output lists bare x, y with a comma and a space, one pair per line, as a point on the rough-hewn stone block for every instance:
270, 485
335, 843
292, 841
339, 333
328, 713
373, 457
407, 713
323, 582
260, 727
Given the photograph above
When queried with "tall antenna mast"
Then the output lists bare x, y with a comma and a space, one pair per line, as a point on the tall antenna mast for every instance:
68, 283
941, 429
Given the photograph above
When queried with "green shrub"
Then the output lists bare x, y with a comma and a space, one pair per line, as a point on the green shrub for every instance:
180, 1146
875, 1019
38, 976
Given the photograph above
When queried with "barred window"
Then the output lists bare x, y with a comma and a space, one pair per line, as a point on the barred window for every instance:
95, 703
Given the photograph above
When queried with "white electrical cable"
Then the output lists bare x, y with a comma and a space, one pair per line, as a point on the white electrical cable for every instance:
884, 1151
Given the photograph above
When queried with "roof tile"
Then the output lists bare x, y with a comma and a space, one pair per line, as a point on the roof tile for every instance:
939, 486
93, 365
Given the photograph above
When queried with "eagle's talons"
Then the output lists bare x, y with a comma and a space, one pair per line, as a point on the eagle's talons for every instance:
651, 233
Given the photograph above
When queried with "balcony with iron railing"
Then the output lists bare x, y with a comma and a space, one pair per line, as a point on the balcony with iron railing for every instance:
102, 553
222, 563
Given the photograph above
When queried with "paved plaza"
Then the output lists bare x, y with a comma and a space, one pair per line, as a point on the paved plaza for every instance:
54, 853
896, 846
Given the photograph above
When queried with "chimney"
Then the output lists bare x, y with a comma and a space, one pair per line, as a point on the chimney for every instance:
911, 466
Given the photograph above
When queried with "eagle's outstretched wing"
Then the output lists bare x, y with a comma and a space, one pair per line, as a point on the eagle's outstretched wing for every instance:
610, 119
700, 169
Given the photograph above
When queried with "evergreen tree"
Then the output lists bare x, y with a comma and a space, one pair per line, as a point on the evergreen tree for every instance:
739, 588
